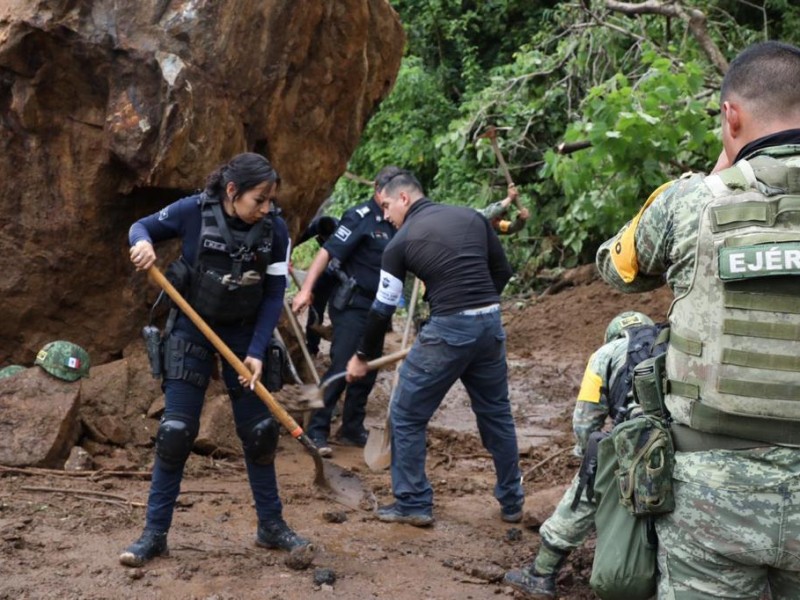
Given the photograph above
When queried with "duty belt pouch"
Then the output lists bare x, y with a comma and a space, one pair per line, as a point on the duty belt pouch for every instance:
648, 378
646, 458
343, 294
276, 366
625, 554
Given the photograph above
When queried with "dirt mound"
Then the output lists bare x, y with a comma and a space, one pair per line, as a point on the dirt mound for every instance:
60, 533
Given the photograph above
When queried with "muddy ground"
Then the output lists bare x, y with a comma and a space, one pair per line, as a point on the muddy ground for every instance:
64, 544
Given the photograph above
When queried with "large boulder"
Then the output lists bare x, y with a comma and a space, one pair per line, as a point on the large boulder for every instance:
39, 421
109, 110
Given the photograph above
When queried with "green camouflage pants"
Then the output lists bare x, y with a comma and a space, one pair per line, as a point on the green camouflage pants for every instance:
565, 529
736, 526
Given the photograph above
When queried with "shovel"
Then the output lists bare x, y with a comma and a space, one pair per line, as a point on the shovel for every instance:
378, 450
340, 485
314, 392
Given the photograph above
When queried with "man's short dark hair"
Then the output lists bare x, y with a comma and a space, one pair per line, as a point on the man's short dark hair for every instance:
766, 74
403, 180
385, 175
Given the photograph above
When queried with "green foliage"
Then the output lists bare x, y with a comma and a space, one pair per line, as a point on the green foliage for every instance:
641, 91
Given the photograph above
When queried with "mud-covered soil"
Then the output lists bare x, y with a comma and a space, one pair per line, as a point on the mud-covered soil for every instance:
60, 535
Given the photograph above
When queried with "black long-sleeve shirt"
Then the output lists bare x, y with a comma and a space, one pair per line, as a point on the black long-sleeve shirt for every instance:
453, 250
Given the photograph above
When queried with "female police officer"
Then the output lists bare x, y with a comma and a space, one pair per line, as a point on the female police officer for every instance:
234, 258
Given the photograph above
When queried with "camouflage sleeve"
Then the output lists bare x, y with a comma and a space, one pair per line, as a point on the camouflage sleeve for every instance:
591, 409
493, 210
636, 259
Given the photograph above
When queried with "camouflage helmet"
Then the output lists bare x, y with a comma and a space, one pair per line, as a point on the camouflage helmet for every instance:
64, 360
624, 320
10, 370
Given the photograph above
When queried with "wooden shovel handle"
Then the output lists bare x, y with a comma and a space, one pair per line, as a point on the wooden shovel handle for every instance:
276, 409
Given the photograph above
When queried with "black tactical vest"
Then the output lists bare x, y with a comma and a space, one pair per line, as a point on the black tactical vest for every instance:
229, 271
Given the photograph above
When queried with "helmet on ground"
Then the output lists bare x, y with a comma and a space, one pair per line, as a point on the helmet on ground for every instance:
64, 360
624, 320
10, 370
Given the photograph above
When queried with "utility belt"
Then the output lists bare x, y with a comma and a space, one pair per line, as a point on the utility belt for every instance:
349, 294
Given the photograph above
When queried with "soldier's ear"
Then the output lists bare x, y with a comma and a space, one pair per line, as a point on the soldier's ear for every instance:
732, 117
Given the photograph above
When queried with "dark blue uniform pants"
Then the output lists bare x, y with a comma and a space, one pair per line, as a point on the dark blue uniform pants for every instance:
470, 348
185, 400
348, 327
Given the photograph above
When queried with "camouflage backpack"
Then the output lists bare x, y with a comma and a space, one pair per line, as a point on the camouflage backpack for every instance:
64, 360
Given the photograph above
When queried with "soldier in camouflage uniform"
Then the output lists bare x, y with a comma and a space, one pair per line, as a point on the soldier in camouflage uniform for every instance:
570, 524
497, 212
728, 245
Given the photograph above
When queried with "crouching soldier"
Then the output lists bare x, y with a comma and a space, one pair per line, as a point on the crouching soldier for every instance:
606, 392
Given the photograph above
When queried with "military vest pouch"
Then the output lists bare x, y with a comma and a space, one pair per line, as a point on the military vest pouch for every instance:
224, 301
646, 459
625, 555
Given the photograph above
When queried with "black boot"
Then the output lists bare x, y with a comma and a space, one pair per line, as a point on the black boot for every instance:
152, 543
528, 582
277, 534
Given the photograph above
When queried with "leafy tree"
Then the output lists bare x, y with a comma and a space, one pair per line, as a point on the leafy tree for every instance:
635, 90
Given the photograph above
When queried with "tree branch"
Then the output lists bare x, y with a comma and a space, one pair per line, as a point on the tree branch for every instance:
694, 19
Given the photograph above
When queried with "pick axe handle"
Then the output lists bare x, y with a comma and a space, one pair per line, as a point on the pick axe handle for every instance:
503, 166
276, 409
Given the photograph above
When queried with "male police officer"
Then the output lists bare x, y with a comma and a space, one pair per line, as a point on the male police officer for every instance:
606, 391
357, 246
729, 247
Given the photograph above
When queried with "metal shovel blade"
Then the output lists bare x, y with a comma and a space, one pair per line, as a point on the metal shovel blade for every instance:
345, 488
378, 451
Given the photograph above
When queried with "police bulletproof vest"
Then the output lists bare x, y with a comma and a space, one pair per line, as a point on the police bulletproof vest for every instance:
644, 341
733, 362
228, 276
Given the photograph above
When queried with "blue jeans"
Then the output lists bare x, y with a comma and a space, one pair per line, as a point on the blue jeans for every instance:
348, 327
186, 400
472, 349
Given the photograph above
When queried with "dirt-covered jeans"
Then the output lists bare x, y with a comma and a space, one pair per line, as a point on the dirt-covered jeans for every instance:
466, 347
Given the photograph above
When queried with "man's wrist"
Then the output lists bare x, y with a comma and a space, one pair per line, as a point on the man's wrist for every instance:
362, 356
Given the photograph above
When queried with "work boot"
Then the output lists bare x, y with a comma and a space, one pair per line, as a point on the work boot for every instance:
277, 534
511, 514
358, 441
528, 582
393, 514
322, 446
152, 543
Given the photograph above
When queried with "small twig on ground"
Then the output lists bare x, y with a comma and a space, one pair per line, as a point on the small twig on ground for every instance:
205, 492
119, 503
545, 460
102, 473
33, 488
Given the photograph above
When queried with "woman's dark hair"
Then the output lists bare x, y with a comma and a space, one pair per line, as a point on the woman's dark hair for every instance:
246, 171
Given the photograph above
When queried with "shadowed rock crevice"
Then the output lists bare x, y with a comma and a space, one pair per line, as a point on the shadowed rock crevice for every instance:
110, 109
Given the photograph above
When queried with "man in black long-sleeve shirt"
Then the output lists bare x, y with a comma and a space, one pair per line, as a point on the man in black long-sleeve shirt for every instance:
454, 251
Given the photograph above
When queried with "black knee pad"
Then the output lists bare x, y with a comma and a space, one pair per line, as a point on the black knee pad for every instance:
260, 440
174, 440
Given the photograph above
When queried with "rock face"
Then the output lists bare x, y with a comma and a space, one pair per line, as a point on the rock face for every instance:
39, 421
109, 110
